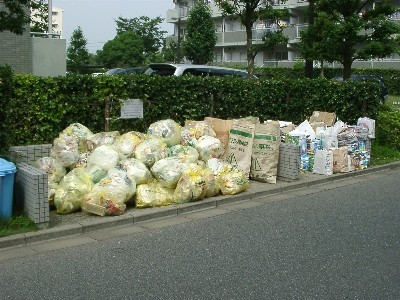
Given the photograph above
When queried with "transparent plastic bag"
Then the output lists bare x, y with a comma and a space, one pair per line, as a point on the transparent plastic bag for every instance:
127, 143
198, 129
102, 138
153, 195
184, 153
105, 157
80, 133
167, 129
168, 171
72, 190
232, 181
52, 167
151, 150
209, 147
65, 150
109, 195
137, 171
192, 185
212, 188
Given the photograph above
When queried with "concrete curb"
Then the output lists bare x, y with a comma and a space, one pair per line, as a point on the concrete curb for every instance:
137, 216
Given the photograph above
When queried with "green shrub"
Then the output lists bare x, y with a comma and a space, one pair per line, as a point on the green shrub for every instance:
388, 128
42, 107
6, 90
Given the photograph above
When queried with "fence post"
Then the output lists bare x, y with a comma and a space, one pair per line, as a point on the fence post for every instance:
212, 105
107, 114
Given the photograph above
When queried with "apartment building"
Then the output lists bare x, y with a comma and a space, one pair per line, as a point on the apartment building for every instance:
231, 44
56, 19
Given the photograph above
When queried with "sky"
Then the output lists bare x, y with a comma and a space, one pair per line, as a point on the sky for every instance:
97, 17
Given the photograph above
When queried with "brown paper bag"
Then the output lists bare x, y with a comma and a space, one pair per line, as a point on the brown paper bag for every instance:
341, 160
240, 145
221, 128
265, 155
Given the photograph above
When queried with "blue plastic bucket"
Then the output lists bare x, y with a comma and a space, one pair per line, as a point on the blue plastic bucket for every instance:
7, 171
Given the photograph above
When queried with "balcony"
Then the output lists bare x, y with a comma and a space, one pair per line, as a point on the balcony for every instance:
289, 3
231, 38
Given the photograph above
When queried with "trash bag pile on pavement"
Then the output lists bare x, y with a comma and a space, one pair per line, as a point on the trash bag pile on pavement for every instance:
101, 173
329, 146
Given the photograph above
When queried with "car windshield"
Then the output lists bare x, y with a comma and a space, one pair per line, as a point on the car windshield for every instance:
115, 71
162, 70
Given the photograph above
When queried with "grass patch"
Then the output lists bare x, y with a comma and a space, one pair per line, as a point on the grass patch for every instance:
16, 225
381, 155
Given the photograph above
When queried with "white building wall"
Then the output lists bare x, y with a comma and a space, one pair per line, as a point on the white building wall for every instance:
56, 19
231, 34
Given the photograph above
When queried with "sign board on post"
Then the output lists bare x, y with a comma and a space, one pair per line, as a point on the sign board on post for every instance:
132, 109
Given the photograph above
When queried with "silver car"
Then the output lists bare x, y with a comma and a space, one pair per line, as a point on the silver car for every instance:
170, 69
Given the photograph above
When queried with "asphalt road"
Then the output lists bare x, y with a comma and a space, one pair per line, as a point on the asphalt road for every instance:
336, 241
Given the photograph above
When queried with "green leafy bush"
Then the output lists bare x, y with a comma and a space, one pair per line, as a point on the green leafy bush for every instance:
5, 98
42, 107
388, 128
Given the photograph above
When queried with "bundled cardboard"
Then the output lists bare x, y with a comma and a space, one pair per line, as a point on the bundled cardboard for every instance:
321, 119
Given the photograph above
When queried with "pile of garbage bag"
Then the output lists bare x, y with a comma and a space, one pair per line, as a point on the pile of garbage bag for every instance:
101, 173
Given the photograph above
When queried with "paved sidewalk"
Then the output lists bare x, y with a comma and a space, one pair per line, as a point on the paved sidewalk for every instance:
79, 223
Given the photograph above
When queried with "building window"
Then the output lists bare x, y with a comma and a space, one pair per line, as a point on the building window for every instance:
281, 55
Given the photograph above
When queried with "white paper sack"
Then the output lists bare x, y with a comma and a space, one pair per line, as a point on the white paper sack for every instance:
323, 162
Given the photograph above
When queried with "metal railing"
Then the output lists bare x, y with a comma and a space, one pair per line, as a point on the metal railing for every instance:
46, 34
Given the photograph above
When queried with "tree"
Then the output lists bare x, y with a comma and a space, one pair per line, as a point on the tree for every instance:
249, 11
14, 15
146, 28
77, 53
200, 37
169, 52
39, 16
125, 50
346, 30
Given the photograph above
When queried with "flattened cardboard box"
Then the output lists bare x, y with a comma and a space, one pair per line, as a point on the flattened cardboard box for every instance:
325, 117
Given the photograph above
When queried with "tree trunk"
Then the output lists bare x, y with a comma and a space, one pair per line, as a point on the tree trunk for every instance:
309, 68
347, 61
249, 44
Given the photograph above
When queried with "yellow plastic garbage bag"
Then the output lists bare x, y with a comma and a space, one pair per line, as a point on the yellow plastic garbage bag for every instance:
151, 150
71, 191
167, 129
168, 171
192, 185
232, 181
109, 195
153, 195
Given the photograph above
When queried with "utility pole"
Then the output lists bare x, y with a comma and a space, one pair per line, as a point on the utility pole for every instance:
50, 20
178, 46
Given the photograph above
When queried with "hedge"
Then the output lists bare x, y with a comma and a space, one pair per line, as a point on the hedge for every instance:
38, 108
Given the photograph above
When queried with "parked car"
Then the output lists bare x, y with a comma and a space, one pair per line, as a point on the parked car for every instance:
367, 77
124, 71
170, 69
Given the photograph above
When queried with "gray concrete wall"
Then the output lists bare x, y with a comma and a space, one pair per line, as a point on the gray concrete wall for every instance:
48, 56
16, 50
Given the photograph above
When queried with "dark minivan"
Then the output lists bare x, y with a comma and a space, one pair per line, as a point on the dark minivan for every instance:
367, 77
